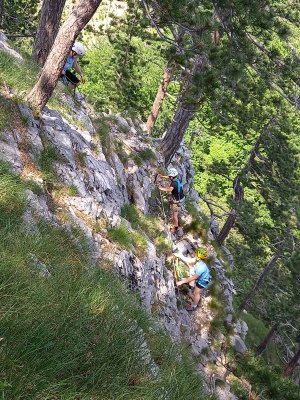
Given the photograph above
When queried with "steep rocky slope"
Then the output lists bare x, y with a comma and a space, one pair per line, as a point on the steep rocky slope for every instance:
86, 169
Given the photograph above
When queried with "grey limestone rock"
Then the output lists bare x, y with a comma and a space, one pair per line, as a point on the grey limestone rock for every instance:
238, 344
4, 46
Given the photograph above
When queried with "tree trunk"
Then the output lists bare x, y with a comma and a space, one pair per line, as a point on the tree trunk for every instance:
1, 12
47, 29
188, 103
289, 369
229, 224
239, 190
160, 95
171, 142
271, 264
263, 345
51, 71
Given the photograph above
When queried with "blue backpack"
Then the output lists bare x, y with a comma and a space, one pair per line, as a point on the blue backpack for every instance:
180, 190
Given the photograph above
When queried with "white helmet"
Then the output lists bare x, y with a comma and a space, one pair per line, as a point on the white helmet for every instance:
78, 48
172, 172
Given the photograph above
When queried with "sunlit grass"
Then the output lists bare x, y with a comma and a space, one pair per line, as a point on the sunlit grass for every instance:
147, 224
128, 239
78, 333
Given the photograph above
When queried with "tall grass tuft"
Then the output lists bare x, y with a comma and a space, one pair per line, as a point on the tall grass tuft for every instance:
146, 224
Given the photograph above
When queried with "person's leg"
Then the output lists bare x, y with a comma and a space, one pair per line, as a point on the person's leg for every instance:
197, 293
175, 216
72, 79
196, 299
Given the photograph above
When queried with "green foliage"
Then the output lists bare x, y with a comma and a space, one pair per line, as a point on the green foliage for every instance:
103, 129
34, 186
20, 16
239, 390
130, 212
12, 201
146, 224
121, 235
266, 378
257, 331
134, 89
47, 159
80, 159
5, 113
214, 304
18, 75
144, 155
130, 240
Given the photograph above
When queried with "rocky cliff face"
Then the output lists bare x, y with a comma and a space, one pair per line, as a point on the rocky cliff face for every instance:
86, 172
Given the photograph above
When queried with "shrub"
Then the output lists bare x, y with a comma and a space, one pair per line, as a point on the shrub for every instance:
130, 212
130, 240
47, 158
120, 235
5, 113
239, 390
264, 377
12, 200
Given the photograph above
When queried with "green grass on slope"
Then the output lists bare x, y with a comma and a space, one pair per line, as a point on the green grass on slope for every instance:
77, 334
21, 77
16, 74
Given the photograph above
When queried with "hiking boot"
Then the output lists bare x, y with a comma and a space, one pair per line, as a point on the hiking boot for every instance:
191, 307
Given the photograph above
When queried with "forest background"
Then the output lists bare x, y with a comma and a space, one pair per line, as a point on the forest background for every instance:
242, 123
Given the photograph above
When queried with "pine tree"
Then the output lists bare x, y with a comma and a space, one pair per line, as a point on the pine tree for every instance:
188, 102
241, 32
47, 29
66, 36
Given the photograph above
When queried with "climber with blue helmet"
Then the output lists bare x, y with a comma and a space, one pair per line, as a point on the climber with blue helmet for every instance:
68, 77
201, 276
175, 190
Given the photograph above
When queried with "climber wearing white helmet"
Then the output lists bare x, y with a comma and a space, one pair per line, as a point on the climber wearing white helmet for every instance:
67, 76
177, 197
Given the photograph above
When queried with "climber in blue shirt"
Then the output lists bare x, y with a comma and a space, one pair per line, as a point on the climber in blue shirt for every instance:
67, 76
201, 276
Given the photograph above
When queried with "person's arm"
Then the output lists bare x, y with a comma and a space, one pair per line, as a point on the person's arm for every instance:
165, 189
187, 260
78, 69
187, 280
164, 176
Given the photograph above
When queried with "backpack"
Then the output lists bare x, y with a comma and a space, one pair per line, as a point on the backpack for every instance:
180, 190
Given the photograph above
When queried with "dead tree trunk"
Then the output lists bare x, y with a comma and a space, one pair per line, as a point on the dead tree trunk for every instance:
51, 71
294, 362
188, 103
238, 189
270, 265
47, 29
230, 221
226, 228
263, 345
160, 95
